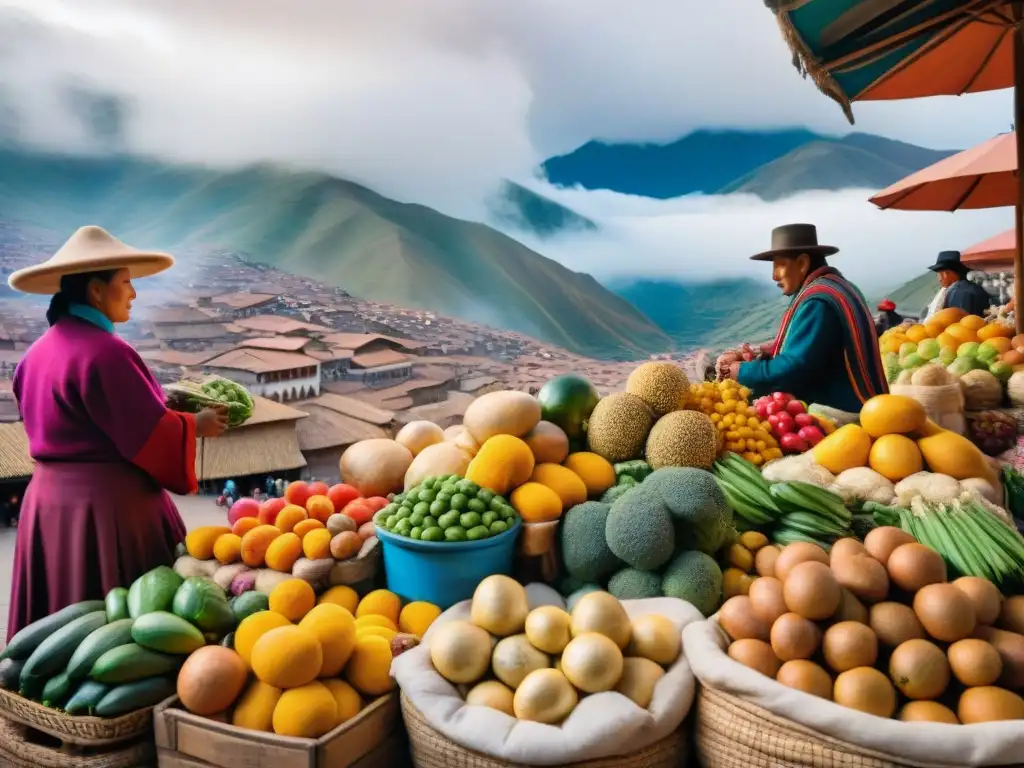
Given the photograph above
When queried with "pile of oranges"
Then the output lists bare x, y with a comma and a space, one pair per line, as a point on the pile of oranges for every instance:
727, 404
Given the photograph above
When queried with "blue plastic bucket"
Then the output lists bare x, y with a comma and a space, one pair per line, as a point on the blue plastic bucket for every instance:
444, 573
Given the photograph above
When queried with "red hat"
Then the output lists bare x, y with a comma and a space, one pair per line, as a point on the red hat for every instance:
886, 305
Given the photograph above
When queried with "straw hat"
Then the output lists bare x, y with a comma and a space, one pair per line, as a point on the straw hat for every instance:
90, 249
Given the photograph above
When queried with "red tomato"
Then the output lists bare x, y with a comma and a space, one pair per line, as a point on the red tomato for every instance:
297, 493
318, 489
341, 494
377, 503
269, 510
359, 511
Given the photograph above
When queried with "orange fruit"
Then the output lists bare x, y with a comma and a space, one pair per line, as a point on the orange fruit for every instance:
319, 508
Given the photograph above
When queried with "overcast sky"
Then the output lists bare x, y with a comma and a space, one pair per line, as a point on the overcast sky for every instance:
434, 101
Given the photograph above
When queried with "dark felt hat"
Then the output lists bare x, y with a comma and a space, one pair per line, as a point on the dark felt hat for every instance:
949, 260
794, 239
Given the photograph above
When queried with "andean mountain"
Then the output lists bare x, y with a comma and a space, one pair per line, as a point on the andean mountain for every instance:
410, 255
771, 164
340, 233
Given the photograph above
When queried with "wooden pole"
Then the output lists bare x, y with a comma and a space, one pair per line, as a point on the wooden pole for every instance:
1018, 125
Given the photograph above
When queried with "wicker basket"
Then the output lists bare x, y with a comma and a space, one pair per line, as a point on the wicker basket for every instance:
85, 731
430, 749
22, 746
732, 733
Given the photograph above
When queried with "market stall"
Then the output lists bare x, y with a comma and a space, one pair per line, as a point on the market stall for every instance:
568, 579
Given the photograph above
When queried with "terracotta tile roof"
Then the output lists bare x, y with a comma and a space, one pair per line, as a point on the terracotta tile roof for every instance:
278, 324
330, 355
15, 462
282, 343
191, 331
261, 360
342, 387
177, 315
349, 406
357, 340
243, 300
173, 357
379, 359
326, 428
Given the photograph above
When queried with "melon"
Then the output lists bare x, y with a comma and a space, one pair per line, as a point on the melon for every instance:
375, 467
417, 435
895, 457
501, 413
460, 651
545, 696
639, 676
892, 414
493, 694
514, 658
211, 679
592, 662
600, 612
548, 442
500, 606
434, 460
951, 454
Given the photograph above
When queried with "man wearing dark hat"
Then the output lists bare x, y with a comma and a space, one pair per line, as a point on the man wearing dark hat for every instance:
826, 350
957, 291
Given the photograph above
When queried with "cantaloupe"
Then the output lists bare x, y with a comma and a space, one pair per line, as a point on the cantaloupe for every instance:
892, 414
501, 413
375, 467
335, 628
210, 680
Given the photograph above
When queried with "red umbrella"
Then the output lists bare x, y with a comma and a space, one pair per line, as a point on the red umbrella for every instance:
992, 253
984, 176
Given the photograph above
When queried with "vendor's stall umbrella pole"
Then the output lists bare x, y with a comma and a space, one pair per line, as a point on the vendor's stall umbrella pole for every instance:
1018, 125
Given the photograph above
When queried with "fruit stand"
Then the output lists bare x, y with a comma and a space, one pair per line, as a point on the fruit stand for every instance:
527, 588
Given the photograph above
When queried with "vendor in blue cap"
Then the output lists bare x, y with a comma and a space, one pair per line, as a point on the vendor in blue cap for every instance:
957, 291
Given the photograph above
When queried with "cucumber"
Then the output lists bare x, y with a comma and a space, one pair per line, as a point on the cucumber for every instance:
95, 645
85, 698
10, 674
117, 604
28, 639
129, 663
54, 653
57, 690
137, 695
167, 633
153, 591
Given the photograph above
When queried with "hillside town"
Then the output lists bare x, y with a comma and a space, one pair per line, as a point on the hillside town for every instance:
327, 369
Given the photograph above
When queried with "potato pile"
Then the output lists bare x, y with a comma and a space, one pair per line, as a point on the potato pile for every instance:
537, 664
876, 627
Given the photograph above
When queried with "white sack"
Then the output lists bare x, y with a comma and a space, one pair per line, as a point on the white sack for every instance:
982, 744
602, 725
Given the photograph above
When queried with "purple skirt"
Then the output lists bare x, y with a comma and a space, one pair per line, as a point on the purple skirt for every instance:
84, 529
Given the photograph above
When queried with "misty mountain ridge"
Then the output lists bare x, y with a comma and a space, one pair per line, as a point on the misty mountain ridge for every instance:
770, 164
337, 232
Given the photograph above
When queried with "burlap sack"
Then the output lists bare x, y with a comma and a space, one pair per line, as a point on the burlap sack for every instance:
983, 744
944, 404
602, 725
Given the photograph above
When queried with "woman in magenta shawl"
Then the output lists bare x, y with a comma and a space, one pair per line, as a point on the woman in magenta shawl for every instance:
96, 514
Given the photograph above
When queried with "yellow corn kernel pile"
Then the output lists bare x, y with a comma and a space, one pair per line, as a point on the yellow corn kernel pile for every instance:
728, 406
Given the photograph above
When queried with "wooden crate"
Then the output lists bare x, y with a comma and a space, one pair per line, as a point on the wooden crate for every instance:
376, 737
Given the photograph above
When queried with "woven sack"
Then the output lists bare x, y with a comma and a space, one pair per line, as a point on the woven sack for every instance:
602, 725
746, 719
944, 404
